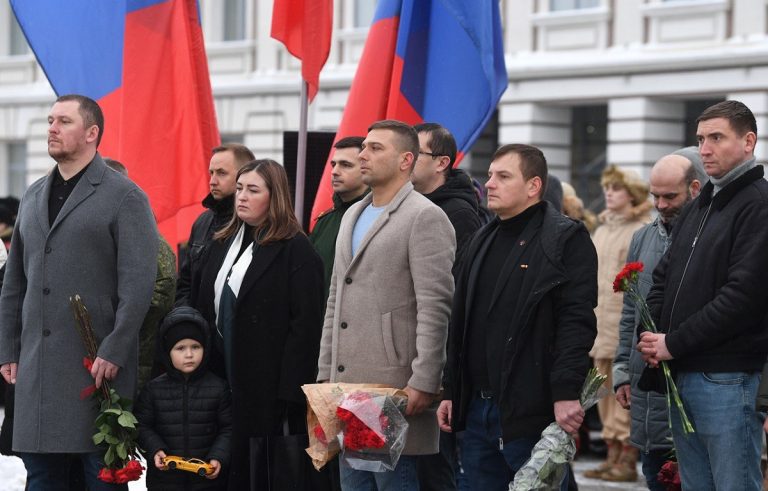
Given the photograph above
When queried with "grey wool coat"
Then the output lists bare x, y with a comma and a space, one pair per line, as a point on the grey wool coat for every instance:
103, 246
387, 315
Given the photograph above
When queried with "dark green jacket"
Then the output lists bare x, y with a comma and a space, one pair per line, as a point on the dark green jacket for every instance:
162, 302
323, 236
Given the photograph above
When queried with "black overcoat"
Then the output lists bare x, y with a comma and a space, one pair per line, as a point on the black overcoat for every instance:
276, 338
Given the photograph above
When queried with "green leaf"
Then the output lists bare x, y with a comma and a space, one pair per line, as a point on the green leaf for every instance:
113, 410
109, 456
114, 397
98, 438
112, 440
105, 428
121, 452
125, 421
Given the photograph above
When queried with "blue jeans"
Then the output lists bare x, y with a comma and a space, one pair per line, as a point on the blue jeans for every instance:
403, 478
487, 466
652, 462
50, 472
724, 451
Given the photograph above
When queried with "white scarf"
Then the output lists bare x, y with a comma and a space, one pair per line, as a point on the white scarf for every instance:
232, 272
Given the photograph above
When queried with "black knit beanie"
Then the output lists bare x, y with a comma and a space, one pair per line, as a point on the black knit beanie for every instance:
182, 330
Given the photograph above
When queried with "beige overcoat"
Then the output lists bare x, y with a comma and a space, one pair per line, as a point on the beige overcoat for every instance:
611, 239
388, 308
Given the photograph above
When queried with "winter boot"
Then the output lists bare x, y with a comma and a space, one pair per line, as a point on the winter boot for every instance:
614, 452
625, 469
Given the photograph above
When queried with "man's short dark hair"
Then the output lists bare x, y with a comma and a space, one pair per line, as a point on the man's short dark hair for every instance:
350, 142
407, 139
441, 141
532, 161
89, 110
242, 154
737, 113
116, 166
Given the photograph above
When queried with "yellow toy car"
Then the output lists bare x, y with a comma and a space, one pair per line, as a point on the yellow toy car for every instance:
190, 465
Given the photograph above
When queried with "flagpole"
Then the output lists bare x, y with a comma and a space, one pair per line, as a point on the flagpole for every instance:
301, 155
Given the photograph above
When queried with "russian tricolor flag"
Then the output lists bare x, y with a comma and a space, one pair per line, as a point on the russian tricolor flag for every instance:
144, 62
426, 60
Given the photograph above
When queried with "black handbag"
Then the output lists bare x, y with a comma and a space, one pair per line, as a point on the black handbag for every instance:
279, 463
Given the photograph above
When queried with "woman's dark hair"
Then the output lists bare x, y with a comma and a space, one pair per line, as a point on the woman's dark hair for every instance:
281, 222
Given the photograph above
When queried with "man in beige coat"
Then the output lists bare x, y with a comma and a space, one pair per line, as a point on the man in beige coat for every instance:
387, 316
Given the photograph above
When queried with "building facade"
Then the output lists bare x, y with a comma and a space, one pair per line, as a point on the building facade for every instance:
590, 81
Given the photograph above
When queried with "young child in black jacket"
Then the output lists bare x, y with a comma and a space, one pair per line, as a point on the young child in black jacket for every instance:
186, 411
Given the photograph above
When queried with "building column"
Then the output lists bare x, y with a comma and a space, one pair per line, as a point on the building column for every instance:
545, 127
757, 102
643, 129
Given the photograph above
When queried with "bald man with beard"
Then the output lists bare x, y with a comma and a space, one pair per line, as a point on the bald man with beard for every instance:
674, 182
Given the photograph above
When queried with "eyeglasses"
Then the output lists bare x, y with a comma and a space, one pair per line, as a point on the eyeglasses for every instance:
433, 155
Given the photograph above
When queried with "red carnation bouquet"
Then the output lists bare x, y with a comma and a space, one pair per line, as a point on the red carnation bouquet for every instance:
626, 282
374, 430
364, 422
115, 423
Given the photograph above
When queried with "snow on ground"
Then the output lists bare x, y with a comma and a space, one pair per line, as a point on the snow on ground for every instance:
13, 476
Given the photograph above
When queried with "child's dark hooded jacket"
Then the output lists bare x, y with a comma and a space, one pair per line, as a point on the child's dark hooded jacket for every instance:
186, 417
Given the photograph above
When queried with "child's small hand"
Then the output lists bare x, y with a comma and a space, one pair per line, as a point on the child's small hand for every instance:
216, 469
159, 457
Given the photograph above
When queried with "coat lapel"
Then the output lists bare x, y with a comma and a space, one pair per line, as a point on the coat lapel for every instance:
344, 240
474, 270
513, 259
41, 204
84, 188
380, 221
262, 259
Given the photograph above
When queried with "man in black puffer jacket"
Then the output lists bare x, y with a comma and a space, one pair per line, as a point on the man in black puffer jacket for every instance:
186, 411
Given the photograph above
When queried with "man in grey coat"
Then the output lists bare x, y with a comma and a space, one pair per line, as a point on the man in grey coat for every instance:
675, 180
85, 230
387, 316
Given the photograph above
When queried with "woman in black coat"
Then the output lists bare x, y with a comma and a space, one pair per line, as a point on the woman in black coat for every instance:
262, 289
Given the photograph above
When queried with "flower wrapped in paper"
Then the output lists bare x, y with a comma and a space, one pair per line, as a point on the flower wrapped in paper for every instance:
545, 469
364, 422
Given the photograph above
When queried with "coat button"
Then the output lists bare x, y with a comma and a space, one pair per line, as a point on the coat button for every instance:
343, 325
46, 291
341, 368
48, 250
46, 332
347, 280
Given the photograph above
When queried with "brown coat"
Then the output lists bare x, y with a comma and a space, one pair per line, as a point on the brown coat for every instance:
387, 315
611, 240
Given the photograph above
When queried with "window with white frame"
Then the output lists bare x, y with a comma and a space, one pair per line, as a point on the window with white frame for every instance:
555, 5
234, 20
16, 168
17, 42
364, 10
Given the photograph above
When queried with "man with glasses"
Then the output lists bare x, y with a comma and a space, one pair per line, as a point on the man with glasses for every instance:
450, 189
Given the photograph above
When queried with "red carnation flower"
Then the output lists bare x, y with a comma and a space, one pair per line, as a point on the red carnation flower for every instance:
626, 275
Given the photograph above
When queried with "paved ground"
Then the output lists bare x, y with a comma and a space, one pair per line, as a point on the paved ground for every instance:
585, 463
